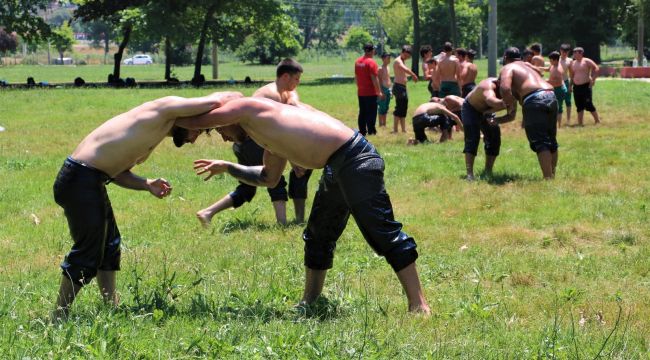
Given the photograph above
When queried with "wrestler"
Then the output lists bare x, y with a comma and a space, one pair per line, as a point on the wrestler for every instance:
107, 155
522, 83
352, 183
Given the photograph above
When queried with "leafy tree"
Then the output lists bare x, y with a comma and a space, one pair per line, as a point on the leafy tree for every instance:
21, 16
630, 22
319, 19
270, 43
63, 39
586, 23
100, 33
436, 21
121, 13
396, 18
356, 38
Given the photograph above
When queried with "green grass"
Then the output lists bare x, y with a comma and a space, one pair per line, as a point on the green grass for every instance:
513, 267
315, 68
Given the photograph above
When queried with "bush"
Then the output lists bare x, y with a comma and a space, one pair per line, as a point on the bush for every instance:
356, 38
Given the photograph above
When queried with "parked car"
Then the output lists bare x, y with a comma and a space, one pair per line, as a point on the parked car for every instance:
139, 60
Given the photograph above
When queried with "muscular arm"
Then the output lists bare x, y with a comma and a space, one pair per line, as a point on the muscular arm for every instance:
179, 107
506, 89
267, 174
227, 114
492, 101
407, 70
157, 187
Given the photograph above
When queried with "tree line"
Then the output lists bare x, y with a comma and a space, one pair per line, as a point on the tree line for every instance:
265, 31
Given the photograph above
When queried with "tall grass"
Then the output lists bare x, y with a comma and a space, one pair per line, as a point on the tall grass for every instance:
512, 266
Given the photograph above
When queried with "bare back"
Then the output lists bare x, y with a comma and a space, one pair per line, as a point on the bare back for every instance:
431, 108
125, 140
448, 68
270, 91
468, 73
484, 97
524, 80
304, 137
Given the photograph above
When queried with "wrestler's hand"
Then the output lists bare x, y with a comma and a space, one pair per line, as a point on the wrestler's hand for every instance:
214, 167
159, 187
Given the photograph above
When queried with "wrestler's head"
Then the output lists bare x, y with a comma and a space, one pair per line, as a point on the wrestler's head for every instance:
233, 133
288, 73
554, 57
181, 136
511, 54
578, 53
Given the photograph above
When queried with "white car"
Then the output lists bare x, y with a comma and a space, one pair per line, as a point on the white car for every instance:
139, 60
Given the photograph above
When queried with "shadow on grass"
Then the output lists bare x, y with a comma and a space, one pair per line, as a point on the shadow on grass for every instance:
501, 178
328, 81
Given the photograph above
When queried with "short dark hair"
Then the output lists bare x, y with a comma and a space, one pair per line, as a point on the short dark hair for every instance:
407, 49
554, 55
179, 135
368, 47
565, 47
461, 52
536, 47
471, 53
288, 66
512, 53
526, 52
385, 55
447, 47
425, 49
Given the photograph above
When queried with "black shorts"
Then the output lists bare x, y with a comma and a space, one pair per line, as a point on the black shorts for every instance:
582, 95
81, 191
475, 123
540, 120
424, 120
401, 100
353, 183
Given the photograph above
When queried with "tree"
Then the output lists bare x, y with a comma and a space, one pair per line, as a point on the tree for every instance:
120, 13
436, 23
396, 18
319, 19
452, 21
21, 16
356, 38
101, 33
585, 23
63, 39
270, 43
415, 56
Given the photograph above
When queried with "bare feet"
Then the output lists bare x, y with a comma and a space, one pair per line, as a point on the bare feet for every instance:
204, 217
420, 309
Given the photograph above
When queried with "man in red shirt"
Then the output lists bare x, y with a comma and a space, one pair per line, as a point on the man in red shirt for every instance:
368, 90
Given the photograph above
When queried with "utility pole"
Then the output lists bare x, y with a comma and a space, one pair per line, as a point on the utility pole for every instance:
640, 33
492, 39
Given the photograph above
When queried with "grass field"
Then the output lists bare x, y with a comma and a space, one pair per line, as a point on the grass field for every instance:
513, 267
315, 68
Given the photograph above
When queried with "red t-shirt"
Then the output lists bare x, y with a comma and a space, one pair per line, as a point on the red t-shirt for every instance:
363, 68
